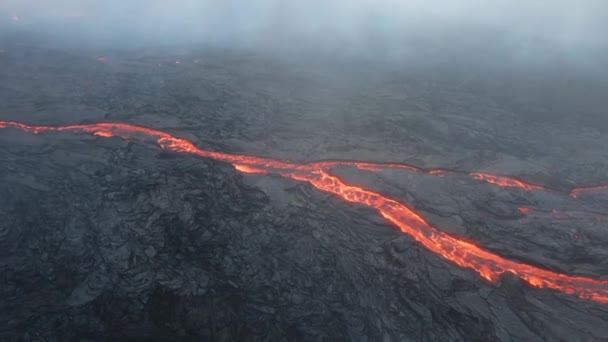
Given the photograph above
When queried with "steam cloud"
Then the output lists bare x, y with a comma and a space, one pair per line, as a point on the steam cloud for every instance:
524, 29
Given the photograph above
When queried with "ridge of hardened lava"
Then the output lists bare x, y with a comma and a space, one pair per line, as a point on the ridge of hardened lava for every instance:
463, 253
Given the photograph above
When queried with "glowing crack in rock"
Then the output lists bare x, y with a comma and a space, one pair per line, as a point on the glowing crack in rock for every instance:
505, 181
457, 250
557, 214
577, 191
525, 211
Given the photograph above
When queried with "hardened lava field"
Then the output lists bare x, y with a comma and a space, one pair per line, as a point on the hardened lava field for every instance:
226, 196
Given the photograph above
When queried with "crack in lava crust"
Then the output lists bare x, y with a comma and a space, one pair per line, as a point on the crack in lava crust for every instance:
463, 253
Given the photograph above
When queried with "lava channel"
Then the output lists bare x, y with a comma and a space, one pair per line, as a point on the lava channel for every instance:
501, 181
463, 253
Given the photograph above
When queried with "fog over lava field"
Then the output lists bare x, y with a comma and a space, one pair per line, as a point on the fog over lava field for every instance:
443, 184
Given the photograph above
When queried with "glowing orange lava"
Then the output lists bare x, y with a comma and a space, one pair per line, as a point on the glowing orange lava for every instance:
505, 181
463, 253
576, 191
103, 134
502, 181
525, 210
248, 169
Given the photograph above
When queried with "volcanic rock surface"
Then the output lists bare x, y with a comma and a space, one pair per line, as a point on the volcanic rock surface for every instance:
113, 239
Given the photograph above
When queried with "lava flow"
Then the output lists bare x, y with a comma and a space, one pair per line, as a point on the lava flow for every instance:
577, 191
463, 253
502, 181
505, 181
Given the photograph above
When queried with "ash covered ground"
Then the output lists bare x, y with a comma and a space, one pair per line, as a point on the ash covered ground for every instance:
113, 239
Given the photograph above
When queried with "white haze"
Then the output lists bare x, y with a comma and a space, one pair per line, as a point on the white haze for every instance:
524, 29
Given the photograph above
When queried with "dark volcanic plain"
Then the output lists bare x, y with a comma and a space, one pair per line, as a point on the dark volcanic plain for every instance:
107, 239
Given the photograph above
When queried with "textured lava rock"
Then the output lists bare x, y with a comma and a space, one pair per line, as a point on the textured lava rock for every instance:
103, 239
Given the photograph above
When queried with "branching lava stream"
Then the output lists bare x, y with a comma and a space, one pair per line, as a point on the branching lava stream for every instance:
463, 253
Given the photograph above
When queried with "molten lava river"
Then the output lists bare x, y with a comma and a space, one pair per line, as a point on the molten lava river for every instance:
463, 253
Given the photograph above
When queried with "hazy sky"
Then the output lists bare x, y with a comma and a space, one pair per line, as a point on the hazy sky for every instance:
350, 24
